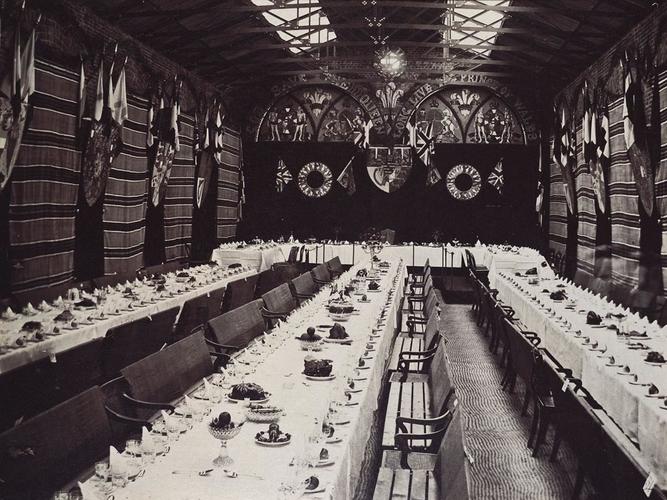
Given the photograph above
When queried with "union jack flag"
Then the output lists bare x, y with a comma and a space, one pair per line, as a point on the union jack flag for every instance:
283, 176
496, 178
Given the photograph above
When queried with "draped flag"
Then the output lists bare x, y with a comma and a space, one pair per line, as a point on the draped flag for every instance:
362, 135
168, 142
539, 200
207, 161
602, 160
283, 176
564, 154
433, 175
150, 118
496, 178
634, 131
105, 134
586, 127
82, 96
15, 91
346, 177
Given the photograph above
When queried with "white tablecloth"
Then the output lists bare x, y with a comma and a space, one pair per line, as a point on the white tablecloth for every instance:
254, 256
642, 419
67, 339
303, 401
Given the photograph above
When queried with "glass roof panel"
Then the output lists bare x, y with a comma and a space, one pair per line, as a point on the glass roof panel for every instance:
471, 18
299, 33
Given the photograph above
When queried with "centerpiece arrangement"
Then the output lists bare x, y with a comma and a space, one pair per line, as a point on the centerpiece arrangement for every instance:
223, 429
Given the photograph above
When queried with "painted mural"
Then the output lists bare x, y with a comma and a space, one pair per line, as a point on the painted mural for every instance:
468, 115
314, 114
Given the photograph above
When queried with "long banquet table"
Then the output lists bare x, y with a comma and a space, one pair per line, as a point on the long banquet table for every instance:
562, 328
495, 257
278, 369
13, 356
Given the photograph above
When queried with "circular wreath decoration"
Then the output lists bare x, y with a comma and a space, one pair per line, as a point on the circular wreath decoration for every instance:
315, 179
464, 182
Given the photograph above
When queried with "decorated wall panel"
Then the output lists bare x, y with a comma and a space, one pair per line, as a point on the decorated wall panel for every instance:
313, 114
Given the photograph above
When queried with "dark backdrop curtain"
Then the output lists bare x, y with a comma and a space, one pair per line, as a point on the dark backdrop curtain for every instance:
5, 269
89, 238
571, 244
204, 221
414, 211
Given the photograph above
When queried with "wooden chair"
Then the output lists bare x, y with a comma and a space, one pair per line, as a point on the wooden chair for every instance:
76, 369
239, 292
522, 359
440, 474
25, 392
303, 287
124, 345
278, 304
412, 342
161, 329
267, 281
163, 377
321, 275
335, 267
195, 313
235, 329
125, 418
47, 451
420, 393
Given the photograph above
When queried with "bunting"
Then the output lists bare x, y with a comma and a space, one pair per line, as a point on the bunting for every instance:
207, 160
634, 131
15, 91
283, 176
82, 95
346, 177
496, 178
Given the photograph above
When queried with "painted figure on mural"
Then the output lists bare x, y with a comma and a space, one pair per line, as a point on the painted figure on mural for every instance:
300, 125
507, 125
274, 125
448, 132
480, 128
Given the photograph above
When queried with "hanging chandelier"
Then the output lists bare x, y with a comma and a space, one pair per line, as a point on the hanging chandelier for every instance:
390, 62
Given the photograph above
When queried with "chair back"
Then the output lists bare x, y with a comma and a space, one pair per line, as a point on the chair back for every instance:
267, 281
124, 345
522, 352
304, 284
451, 468
335, 267
195, 313
280, 299
442, 388
321, 273
239, 292
293, 254
77, 369
46, 452
238, 327
166, 375
431, 332
161, 329
215, 301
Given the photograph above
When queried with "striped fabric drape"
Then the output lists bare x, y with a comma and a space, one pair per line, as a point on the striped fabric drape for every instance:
45, 182
661, 174
125, 201
228, 181
585, 211
178, 200
44, 187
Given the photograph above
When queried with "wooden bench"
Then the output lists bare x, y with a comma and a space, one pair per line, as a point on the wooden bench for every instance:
427, 476
422, 390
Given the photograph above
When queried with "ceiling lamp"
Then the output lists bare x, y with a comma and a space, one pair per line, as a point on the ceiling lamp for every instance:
390, 63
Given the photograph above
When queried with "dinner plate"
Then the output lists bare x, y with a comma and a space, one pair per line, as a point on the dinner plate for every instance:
353, 391
624, 373
663, 407
324, 463
363, 301
258, 401
358, 379
656, 396
273, 445
311, 377
334, 440
365, 367
653, 363
319, 489
374, 291
337, 341
342, 421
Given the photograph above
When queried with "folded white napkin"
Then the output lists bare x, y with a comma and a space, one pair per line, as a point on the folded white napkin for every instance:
207, 388
116, 462
147, 441
88, 491
168, 419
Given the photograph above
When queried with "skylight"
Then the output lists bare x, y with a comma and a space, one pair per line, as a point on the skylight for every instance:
305, 27
471, 18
